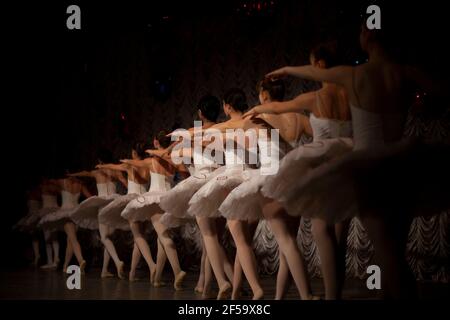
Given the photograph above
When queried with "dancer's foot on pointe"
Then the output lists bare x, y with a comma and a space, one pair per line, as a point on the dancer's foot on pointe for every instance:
198, 290
313, 297
120, 272
224, 291
107, 274
82, 266
179, 280
258, 295
55, 264
152, 275
132, 277
47, 266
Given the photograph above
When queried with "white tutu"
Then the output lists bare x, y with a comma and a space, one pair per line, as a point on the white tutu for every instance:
55, 220
405, 178
207, 200
110, 215
245, 201
172, 221
29, 222
143, 207
176, 200
86, 214
298, 164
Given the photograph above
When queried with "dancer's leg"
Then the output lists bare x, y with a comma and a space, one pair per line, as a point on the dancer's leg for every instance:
55, 245
135, 257
282, 277
243, 240
324, 236
106, 258
208, 229
201, 278
143, 247
71, 232
48, 248
169, 248
277, 218
389, 237
35, 244
341, 231
161, 258
68, 255
105, 232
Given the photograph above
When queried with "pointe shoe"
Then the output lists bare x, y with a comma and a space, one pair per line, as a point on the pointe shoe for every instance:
107, 275
178, 280
258, 295
55, 264
82, 266
132, 278
47, 266
198, 290
314, 298
224, 292
120, 272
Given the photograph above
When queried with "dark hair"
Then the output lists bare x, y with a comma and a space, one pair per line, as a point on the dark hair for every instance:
140, 148
236, 99
275, 88
163, 139
210, 107
326, 52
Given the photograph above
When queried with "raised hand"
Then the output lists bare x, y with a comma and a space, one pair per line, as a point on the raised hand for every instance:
277, 74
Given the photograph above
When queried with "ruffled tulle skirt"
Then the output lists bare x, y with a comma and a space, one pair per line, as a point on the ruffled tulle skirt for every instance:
86, 214
143, 207
30, 222
55, 219
110, 215
408, 178
207, 200
298, 164
176, 200
245, 201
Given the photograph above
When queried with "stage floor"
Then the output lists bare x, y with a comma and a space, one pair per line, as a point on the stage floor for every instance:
39, 284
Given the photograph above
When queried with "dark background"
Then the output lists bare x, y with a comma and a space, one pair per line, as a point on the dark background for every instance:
138, 67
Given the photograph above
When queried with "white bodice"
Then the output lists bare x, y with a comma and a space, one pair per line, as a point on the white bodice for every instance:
203, 161
159, 182
49, 201
134, 187
324, 128
106, 189
369, 128
69, 200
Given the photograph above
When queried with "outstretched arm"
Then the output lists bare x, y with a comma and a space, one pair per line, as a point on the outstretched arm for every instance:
117, 167
339, 75
81, 174
302, 102
145, 163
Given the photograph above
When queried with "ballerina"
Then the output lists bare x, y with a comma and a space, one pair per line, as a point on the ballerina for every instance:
71, 189
242, 207
365, 182
28, 223
49, 191
330, 115
146, 208
111, 214
86, 214
175, 202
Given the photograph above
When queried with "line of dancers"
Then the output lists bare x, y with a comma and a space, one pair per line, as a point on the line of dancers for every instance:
357, 165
